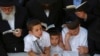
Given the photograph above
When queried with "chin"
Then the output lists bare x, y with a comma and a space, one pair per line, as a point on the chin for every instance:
54, 44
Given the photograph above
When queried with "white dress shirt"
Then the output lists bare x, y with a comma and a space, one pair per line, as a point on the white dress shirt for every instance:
78, 40
44, 41
56, 50
47, 12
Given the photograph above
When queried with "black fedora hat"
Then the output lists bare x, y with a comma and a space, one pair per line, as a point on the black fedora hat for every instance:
6, 2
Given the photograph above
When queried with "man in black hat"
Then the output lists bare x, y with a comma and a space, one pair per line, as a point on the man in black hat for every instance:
12, 26
47, 11
87, 14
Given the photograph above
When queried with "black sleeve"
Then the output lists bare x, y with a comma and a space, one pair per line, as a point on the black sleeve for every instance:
91, 46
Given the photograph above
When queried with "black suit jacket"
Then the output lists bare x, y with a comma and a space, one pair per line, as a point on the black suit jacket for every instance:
36, 11
10, 41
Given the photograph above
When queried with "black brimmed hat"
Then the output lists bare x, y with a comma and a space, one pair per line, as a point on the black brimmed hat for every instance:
6, 2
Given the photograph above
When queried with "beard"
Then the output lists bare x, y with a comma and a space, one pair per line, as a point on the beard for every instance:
8, 16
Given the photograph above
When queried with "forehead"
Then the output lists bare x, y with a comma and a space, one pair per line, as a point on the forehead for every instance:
74, 29
55, 36
37, 26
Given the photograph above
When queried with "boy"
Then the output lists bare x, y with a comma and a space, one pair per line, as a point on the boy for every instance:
37, 42
57, 46
74, 36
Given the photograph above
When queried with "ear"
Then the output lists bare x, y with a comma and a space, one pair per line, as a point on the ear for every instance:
79, 25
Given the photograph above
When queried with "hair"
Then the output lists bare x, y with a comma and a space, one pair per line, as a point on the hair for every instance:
53, 31
73, 22
32, 23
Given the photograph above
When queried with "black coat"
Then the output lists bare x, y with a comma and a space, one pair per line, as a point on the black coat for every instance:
2, 49
94, 38
36, 11
21, 2
9, 40
91, 9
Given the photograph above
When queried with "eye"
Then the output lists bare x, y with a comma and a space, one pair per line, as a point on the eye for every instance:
37, 30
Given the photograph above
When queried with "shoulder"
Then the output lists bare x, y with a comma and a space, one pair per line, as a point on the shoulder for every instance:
20, 9
28, 37
83, 30
45, 33
65, 30
31, 3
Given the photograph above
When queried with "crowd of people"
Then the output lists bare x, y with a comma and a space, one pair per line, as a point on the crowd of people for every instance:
22, 28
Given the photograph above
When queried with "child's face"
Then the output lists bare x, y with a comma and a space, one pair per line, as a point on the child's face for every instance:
54, 40
74, 31
36, 30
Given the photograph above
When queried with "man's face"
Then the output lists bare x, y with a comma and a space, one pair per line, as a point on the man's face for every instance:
7, 10
36, 30
54, 40
46, 6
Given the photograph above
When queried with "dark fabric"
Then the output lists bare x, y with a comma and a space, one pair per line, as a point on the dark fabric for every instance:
21, 2
10, 41
94, 38
94, 46
6, 2
2, 50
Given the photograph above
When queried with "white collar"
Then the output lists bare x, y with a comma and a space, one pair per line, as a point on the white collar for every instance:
34, 38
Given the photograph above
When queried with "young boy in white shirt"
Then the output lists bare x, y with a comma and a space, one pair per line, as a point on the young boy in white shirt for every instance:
57, 46
74, 36
37, 42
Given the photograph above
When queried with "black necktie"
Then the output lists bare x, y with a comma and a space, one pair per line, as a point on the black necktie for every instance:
39, 47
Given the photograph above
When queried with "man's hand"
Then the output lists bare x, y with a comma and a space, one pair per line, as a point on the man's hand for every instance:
18, 32
81, 14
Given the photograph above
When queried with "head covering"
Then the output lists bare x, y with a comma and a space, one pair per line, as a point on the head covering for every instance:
72, 21
71, 18
7, 2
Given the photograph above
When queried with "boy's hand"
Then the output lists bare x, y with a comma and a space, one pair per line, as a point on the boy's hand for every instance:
83, 50
55, 54
43, 55
68, 35
17, 32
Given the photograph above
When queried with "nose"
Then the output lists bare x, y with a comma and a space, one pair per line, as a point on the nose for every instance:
7, 11
40, 32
